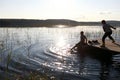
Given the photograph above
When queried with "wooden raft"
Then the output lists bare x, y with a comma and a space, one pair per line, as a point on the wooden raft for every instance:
109, 45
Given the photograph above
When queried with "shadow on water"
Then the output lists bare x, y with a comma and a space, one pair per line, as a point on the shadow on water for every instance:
106, 63
105, 60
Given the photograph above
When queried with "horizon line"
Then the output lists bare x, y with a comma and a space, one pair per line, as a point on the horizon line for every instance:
61, 19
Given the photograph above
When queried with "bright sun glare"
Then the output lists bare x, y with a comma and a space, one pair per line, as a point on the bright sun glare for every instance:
60, 8
60, 47
61, 42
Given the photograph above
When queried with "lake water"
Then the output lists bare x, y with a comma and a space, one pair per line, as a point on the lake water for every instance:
46, 50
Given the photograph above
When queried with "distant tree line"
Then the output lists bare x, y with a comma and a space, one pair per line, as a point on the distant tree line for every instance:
48, 23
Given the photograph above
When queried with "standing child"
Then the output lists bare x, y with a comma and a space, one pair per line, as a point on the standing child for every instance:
108, 32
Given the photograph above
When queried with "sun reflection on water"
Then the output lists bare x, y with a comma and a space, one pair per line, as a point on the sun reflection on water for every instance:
61, 26
61, 42
61, 47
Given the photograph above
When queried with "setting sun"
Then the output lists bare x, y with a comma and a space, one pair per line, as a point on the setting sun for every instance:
60, 8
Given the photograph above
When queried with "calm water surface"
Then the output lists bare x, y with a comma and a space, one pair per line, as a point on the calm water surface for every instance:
47, 50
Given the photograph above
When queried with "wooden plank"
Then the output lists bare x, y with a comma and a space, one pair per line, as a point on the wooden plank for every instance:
109, 45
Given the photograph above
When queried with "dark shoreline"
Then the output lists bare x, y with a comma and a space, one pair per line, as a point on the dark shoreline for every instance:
49, 23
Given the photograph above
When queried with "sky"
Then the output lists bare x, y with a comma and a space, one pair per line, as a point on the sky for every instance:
80, 10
